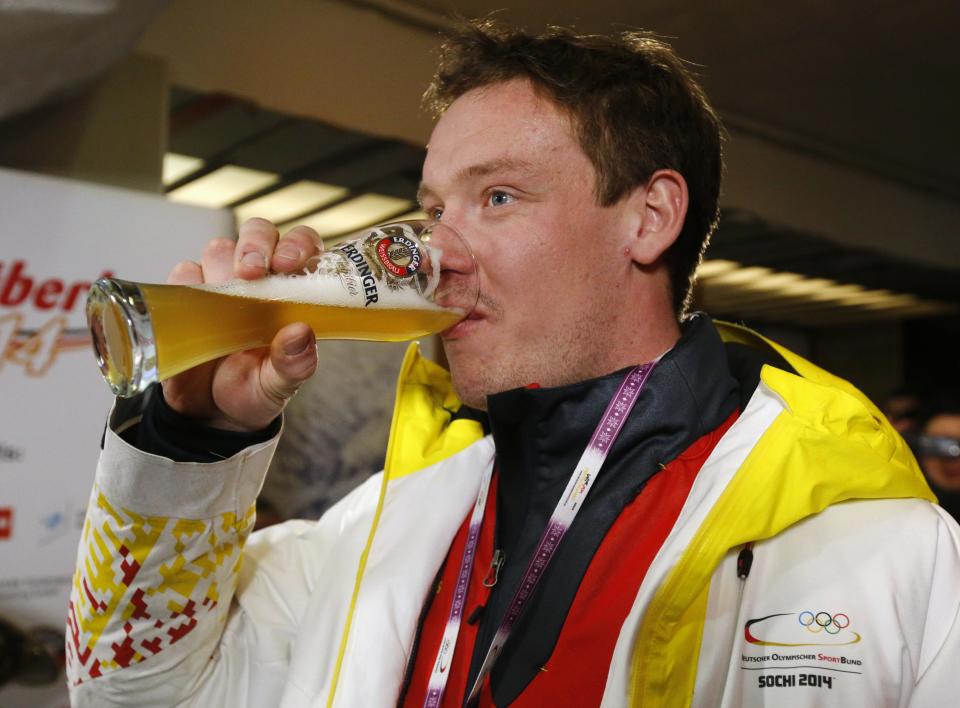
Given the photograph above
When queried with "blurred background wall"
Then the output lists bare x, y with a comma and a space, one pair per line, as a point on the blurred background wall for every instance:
840, 231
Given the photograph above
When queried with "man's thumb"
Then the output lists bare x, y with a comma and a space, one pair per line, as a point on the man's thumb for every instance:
293, 359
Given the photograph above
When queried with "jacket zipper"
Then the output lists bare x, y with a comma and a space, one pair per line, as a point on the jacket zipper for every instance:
493, 574
745, 561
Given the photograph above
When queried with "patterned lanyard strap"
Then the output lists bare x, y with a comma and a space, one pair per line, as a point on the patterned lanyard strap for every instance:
566, 510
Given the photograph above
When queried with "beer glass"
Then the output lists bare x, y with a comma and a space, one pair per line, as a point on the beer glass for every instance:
391, 282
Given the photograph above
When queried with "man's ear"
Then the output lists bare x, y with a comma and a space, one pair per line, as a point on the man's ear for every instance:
661, 206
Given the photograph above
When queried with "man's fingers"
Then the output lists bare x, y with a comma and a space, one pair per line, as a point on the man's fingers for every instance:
293, 359
257, 239
186, 273
295, 248
260, 249
217, 260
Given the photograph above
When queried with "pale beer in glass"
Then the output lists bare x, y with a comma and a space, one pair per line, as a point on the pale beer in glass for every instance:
396, 282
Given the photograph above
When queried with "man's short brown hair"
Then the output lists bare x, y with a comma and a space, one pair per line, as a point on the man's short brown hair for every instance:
635, 106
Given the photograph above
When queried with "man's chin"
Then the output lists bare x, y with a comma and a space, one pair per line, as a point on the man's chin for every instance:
472, 397
471, 389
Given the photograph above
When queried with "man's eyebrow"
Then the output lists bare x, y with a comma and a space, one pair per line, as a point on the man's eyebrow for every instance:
482, 169
500, 164
423, 191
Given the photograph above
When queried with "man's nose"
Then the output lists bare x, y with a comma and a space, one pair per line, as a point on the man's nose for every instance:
455, 247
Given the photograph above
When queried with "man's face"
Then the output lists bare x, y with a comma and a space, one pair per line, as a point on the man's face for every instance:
504, 168
943, 472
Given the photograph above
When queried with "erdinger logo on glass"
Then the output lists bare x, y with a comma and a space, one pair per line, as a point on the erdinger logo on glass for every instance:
399, 254
801, 629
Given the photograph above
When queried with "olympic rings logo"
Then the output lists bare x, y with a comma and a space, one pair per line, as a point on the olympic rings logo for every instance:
823, 622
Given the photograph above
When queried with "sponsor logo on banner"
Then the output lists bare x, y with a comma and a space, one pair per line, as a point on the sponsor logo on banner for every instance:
9, 453
6, 522
38, 317
806, 649
60, 522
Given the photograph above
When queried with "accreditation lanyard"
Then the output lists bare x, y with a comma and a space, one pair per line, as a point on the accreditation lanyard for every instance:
593, 457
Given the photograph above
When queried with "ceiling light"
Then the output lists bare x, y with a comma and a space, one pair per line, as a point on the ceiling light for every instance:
868, 297
893, 301
176, 167
837, 292
727, 286
223, 186
777, 281
712, 268
807, 287
291, 201
355, 214
740, 276
417, 215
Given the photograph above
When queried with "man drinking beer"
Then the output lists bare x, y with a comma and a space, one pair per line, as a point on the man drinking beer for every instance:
606, 501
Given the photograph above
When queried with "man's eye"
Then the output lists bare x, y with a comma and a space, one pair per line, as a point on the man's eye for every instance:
499, 198
434, 213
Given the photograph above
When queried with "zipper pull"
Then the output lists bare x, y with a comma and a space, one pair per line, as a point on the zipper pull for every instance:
745, 561
494, 573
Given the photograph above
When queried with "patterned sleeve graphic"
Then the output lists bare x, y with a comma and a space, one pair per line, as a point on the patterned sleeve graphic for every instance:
143, 583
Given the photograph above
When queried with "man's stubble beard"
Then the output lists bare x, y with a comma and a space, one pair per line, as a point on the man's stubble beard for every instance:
569, 354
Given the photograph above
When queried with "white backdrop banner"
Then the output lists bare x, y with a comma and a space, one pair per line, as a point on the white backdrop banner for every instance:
56, 237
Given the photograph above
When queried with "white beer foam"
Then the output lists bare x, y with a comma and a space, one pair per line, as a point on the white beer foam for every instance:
321, 289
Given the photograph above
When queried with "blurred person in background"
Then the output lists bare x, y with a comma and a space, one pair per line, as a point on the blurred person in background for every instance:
902, 409
938, 448
758, 534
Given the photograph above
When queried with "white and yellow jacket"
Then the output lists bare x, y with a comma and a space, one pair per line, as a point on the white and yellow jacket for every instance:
852, 599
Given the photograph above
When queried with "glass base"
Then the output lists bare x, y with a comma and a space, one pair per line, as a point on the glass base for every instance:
122, 336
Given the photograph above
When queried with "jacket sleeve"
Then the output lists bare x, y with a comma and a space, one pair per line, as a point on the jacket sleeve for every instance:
159, 562
937, 683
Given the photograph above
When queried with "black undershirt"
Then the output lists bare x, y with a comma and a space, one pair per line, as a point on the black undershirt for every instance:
162, 431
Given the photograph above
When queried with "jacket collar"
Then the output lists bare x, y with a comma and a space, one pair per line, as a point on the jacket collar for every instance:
540, 433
